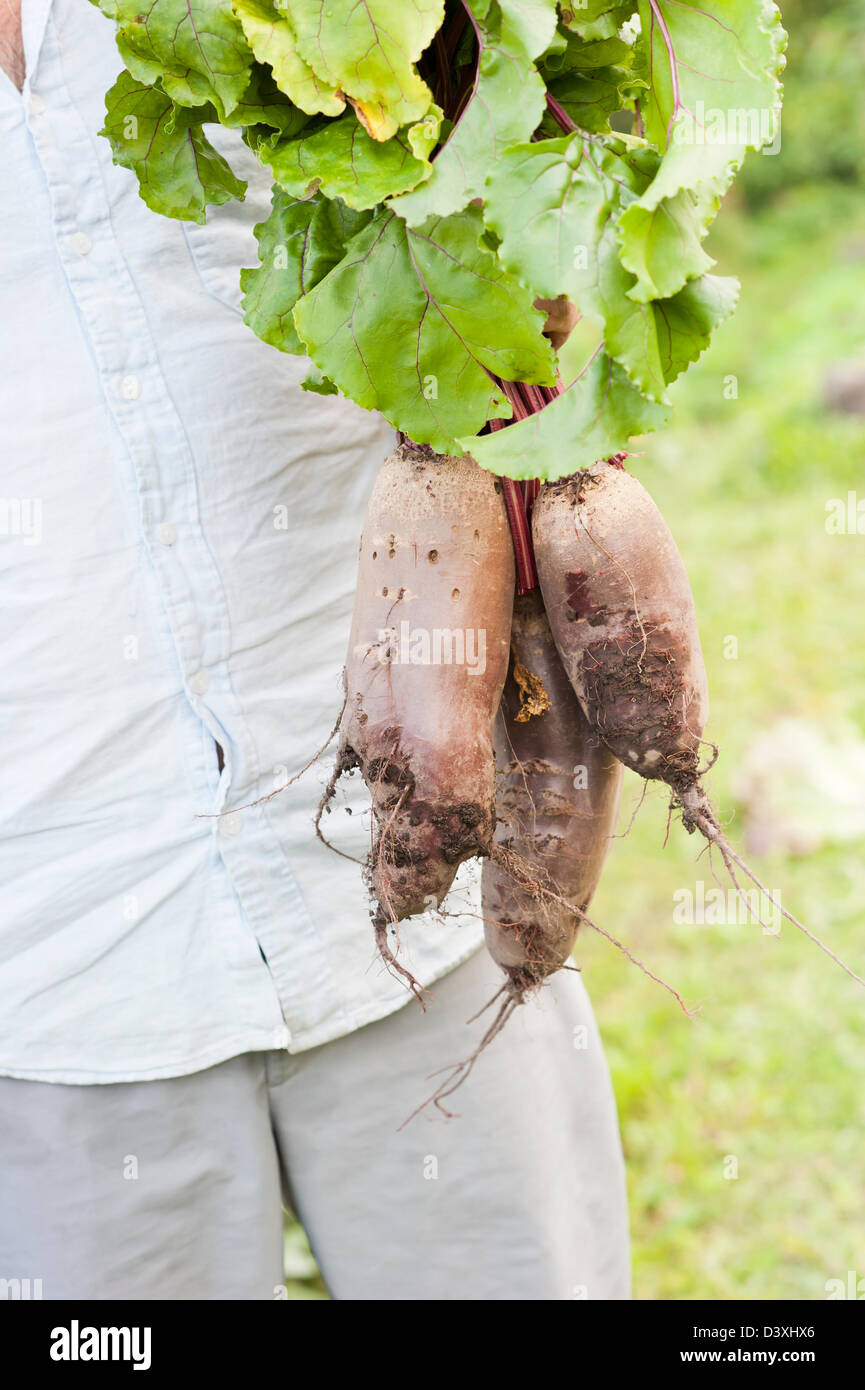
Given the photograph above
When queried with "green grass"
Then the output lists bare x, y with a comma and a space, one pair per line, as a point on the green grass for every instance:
770, 1072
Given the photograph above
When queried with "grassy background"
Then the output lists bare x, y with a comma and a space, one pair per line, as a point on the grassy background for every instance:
770, 1073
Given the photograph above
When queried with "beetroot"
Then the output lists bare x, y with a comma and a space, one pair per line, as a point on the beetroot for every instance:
427, 660
621, 610
623, 618
557, 801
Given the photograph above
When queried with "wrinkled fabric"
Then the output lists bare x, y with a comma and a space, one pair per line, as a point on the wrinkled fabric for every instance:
171, 1190
178, 538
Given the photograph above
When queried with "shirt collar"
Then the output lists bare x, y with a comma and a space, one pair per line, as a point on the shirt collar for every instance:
34, 18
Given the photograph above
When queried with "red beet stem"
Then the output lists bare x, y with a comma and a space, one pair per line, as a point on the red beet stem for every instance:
519, 498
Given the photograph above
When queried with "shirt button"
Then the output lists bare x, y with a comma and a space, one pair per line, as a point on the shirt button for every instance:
37, 105
166, 533
231, 824
130, 388
200, 683
81, 243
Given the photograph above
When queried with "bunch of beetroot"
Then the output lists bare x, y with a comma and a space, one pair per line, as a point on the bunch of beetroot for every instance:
517, 760
491, 707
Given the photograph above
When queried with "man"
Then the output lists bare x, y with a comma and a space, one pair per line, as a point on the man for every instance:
192, 1022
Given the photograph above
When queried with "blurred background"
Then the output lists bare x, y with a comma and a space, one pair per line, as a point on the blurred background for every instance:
744, 1130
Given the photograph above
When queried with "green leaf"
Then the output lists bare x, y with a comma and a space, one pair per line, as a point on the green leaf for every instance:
661, 238
368, 51
685, 323
551, 202
298, 245
555, 204
591, 97
576, 54
630, 328
194, 48
413, 321
271, 36
596, 19
344, 162
374, 261
178, 170
593, 418
713, 68
532, 22
555, 49
319, 384
263, 104
590, 80
656, 342
505, 107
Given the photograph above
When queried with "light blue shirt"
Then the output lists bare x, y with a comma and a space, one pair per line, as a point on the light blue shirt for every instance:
178, 539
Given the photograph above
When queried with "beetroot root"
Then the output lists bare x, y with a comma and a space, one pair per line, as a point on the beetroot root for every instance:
557, 799
427, 661
558, 795
622, 615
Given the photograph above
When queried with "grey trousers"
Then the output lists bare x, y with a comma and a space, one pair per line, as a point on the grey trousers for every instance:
174, 1189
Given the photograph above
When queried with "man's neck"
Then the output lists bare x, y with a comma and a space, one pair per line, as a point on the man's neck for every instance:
11, 45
